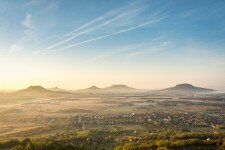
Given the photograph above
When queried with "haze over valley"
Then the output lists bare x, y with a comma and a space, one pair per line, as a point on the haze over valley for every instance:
112, 75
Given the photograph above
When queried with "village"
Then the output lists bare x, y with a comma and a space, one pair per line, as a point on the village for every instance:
147, 120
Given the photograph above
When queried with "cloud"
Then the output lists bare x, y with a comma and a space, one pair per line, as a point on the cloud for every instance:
28, 34
115, 33
111, 23
105, 36
110, 17
90, 23
114, 51
96, 23
15, 47
102, 56
143, 52
154, 48
33, 3
119, 16
154, 44
27, 21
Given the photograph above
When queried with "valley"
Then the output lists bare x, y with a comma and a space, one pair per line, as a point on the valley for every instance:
36, 113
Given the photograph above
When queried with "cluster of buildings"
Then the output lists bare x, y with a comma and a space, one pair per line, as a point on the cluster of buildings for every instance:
147, 119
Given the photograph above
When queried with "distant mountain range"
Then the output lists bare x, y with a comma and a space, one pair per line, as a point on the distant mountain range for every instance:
112, 89
33, 90
56, 89
39, 91
92, 89
187, 88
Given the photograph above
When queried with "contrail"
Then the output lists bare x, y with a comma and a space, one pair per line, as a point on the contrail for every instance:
88, 24
108, 14
118, 17
73, 34
88, 30
112, 34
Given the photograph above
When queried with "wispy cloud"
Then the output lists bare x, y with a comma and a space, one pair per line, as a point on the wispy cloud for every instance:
93, 25
15, 47
109, 17
107, 35
115, 33
79, 31
114, 51
33, 3
153, 48
90, 25
106, 26
28, 34
27, 21
35, 26
154, 45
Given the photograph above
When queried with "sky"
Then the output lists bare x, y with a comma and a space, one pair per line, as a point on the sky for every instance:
146, 44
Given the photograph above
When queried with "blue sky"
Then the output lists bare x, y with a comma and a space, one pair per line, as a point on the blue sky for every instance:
145, 43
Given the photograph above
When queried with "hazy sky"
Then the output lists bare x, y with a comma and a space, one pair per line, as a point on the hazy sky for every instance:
145, 44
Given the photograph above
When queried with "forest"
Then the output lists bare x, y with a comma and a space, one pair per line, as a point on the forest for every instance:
121, 140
